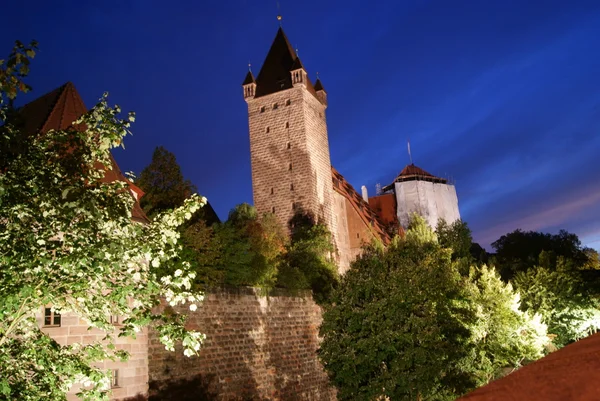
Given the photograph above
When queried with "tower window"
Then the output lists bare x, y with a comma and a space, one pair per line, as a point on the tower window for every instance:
271, 191
291, 186
51, 318
289, 145
275, 106
288, 102
268, 130
273, 209
293, 205
357, 235
290, 167
287, 125
262, 109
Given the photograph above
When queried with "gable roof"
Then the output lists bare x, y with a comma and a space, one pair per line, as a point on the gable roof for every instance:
362, 208
571, 373
274, 75
57, 110
414, 173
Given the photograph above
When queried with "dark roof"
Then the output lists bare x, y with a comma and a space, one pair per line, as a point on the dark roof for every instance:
58, 110
274, 76
414, 173
367, 215
297, 65
249, 78
319, 85
571, 373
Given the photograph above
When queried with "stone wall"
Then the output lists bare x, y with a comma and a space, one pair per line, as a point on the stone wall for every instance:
132, 376
257, 348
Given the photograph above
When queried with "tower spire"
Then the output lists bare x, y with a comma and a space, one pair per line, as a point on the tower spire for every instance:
409, 154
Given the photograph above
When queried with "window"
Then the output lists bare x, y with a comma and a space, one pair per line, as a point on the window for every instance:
268, 130
293, 205
262, 109
289, 145
357, 235
115, 378
51, 318
273, 209
290, 167
116, 320
271, 191
287, 125
288, 102
275, 106
291, 186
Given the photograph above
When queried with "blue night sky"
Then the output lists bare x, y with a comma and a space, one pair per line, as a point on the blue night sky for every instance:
502, 96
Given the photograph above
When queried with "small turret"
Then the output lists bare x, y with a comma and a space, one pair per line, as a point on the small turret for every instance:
249, 86
321, 93
299, 75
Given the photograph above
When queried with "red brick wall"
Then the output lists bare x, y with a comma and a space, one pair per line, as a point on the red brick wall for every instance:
257, 348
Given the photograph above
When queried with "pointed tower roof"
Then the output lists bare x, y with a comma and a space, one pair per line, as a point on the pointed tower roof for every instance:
57, 110
274, 76
249, 78
319, 85
297, 65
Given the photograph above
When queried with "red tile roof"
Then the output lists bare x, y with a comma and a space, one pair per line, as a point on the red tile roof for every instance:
414, 173
57, 110
367, 215
571, 373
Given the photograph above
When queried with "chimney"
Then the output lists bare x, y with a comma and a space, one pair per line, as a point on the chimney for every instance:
365, 195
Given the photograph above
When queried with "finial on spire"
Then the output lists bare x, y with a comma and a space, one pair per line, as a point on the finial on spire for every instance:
279, 17
317, 74
296, 48
250, 67
409, 154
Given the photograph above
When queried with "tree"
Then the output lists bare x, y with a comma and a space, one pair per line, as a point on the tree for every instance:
166, 189
456, 236
67, 241
404, 324
520, 250
307, 262
563, 300
506, 337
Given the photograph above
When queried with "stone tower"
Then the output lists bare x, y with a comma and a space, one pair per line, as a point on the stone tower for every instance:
289, 147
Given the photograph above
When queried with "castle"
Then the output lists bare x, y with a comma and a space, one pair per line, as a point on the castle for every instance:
291, 171
291, 166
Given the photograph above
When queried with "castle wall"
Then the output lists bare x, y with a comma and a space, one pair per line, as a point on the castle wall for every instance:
257, 347
341, 235
132, 375
431, 200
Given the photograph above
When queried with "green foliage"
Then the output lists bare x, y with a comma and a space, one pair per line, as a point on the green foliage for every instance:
520, 250
166, 189
163, 183
563, 300
405, 324
67, 240
506, 337
307, 262
456, 236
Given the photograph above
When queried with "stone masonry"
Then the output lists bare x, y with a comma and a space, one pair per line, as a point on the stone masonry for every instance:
289, 152
257, 348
